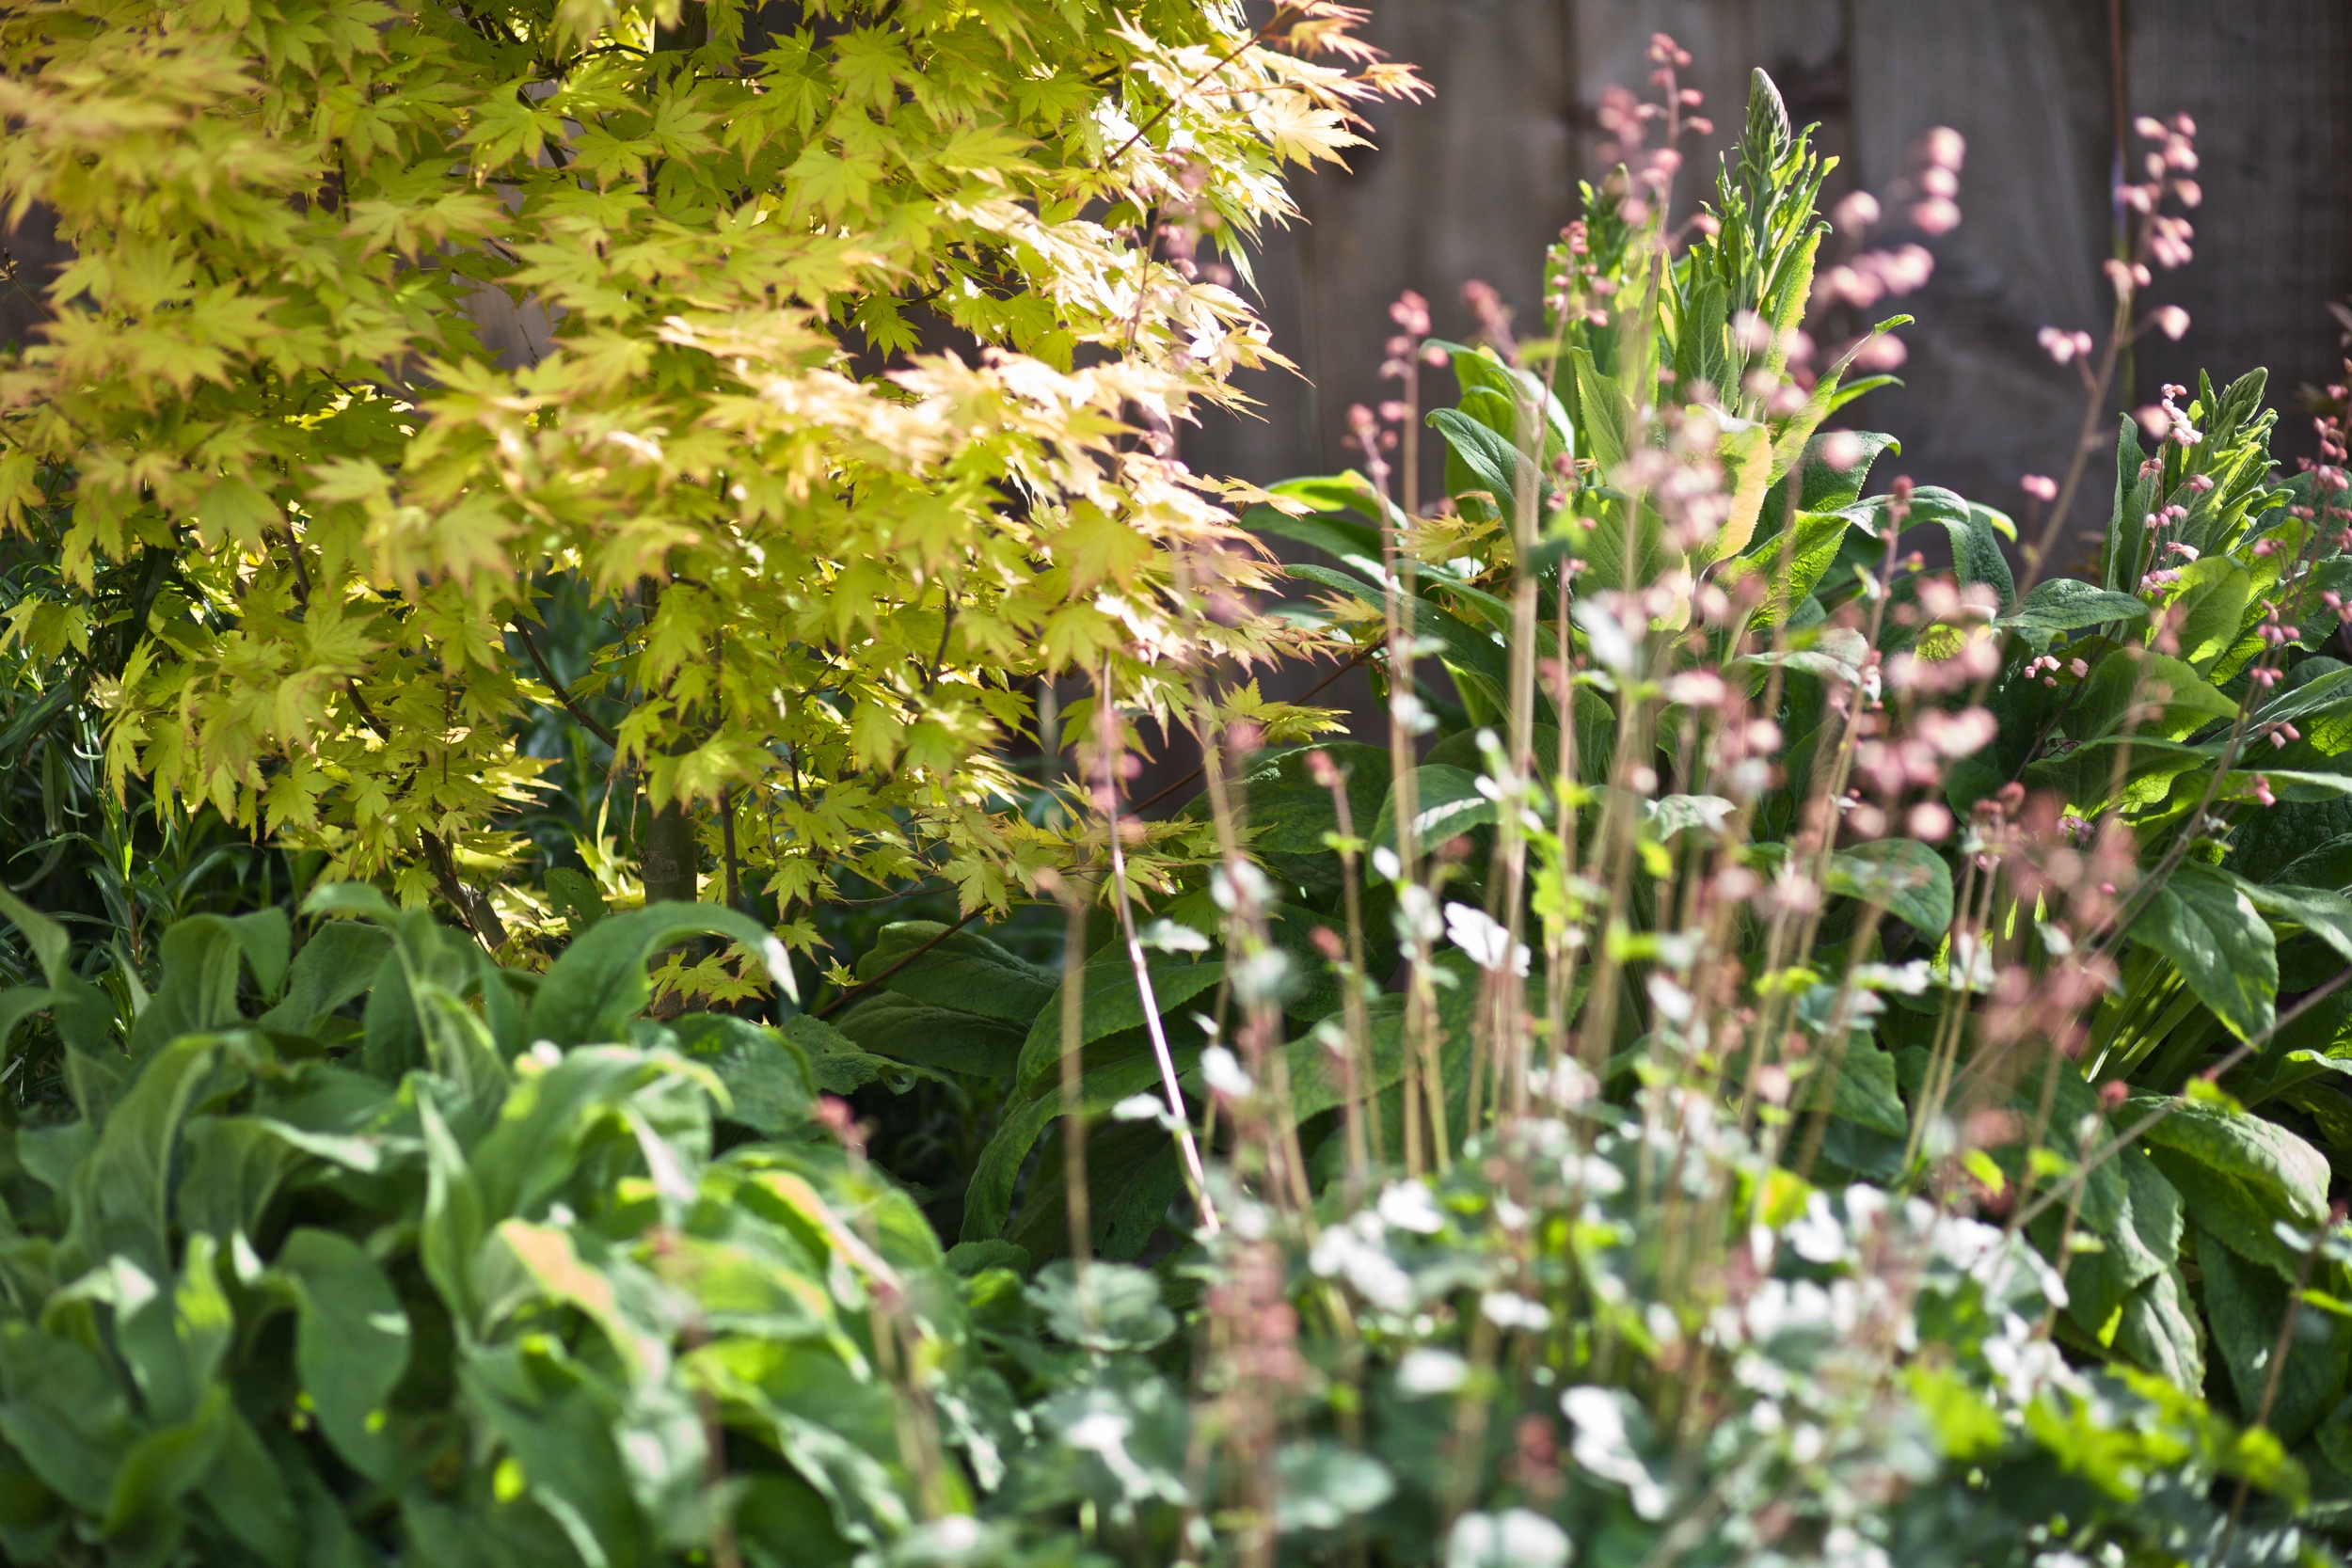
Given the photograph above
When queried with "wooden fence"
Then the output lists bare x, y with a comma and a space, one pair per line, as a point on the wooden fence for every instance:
1475, 183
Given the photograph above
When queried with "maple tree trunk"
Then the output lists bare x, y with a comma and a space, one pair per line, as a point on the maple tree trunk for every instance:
672, 856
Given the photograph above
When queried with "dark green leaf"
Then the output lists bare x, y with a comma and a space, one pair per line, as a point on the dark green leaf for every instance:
2238, 1175
351, 1343
2246, 1305
1112, 1003
962, 970
2204, 922
771, 1086
906, 1030
338, 962
1906, 877
2065, 604
1446, 804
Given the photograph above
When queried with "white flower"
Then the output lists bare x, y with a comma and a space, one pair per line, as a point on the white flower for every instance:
1516, 1537
1817, 1236
1425, 1371
1603, 1448
1222, 1070
1409, 1206
1505, 1309
1168, 937
1475, 933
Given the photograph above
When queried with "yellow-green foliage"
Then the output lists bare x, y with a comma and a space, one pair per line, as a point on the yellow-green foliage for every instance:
840, 559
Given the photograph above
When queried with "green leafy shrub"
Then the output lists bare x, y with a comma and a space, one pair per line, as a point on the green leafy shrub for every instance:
494, 1272
1936, 882
307, 1287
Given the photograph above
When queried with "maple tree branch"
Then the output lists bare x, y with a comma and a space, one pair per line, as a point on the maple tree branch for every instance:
1252, 42
563, 696
865, 986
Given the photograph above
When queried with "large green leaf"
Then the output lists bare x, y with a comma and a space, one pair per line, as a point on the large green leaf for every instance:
2155, 697
1602, 413
1863, 1090
234, 1168
1902, 875
2123, 771
2329, 692
64, 1413
988, 1201
1820, 535
1447, 803
2203, 921
906, 1030
1478, 370
600, 983
2157, 1330
771, 1087
965, 970
1821, 484
1486, 460
2210, 603
1471, 653
203, 958
1111, 1003
1976, 533
2246, 1305
48, 939
351, 1343
123, 1188
244, 1495
2065, 605
1289, 813
564, 1446
2122, 557
338, 962
2324, 914
2239, 1175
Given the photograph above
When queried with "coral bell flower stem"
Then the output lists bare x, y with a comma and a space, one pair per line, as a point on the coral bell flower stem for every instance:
1106, 724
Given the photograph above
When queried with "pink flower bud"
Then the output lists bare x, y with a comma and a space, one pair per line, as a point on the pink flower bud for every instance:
1858, 212
2170, 320
1935, 216
1884, 352
2041, 487
1945, 146
1841, 450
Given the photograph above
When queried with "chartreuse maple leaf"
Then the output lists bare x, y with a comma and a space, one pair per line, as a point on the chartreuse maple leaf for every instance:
386, 319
